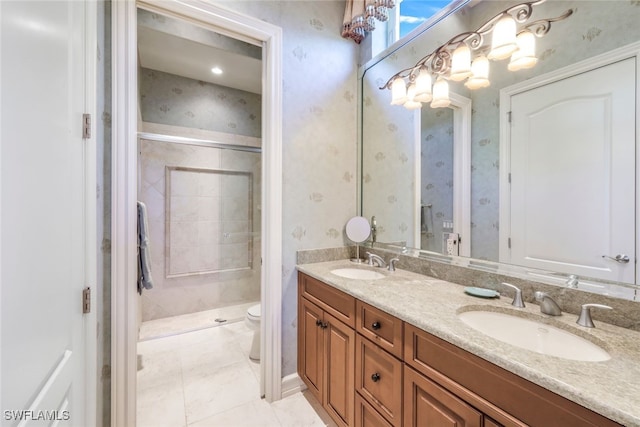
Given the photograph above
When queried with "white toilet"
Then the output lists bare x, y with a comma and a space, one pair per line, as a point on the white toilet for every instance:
253, 321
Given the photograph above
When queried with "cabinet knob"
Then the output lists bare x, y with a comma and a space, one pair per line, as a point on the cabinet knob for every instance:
375, 325
375, 377
325, 325
318, 322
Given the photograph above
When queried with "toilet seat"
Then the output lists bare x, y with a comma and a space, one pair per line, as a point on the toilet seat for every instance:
253, 312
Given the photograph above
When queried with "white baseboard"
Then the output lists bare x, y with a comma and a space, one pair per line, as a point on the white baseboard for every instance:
292, 384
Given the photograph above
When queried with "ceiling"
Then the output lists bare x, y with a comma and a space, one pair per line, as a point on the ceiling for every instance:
169, 53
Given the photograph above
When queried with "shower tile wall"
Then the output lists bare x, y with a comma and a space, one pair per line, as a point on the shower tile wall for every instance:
207, 258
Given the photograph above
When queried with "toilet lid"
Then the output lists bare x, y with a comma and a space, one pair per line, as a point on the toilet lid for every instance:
254, 310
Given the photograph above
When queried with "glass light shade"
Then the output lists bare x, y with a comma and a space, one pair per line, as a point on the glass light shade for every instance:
411, 103
398, 91
440, 94
479, 73
503, 41
460, 63
423, 86
525, 56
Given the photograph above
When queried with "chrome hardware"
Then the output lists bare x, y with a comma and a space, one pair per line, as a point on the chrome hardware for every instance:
572, 281
517, 298
547, 304
375, 325
374, 230
392, 264
621, 258
325, 325
318, 322
375, 377
585, 314
376, 260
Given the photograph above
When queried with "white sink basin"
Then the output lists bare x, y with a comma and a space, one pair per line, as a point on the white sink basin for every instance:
534, 336
357, 273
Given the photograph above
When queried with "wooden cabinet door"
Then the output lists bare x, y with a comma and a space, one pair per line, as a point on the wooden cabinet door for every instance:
311, 342
428, 404
339, 389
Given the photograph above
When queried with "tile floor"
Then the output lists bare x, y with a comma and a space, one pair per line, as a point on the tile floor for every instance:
205, 378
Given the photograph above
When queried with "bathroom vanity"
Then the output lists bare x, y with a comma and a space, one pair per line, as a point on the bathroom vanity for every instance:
393, 351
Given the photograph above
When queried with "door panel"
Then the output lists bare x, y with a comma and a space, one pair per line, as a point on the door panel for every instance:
340, 369
573, 174
43, 210
311, 340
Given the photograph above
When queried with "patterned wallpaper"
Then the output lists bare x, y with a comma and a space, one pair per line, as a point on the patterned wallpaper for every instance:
595, 27
319, 137
179, 101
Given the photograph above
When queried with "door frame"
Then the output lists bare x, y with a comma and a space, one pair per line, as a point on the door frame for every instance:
631, 50
124, 299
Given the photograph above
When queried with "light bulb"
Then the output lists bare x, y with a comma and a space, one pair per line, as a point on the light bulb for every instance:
479, 73
460, 63
411, 103
525, 56
440, 94
398, 91
503, 41
423, 86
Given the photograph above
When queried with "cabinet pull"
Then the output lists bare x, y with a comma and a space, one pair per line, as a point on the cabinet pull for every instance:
375, 326
325, 325
375, 377
318, 322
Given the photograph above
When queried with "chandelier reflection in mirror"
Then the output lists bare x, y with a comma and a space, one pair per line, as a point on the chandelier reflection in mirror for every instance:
468, 55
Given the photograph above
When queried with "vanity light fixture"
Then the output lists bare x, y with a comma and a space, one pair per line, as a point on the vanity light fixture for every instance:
468, 55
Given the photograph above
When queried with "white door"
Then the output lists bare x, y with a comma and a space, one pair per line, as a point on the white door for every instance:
573, 174
45, 216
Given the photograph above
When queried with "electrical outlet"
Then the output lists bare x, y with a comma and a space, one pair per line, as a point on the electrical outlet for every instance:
451, 246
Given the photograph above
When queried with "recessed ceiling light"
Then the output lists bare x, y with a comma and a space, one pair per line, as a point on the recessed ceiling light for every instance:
216, 70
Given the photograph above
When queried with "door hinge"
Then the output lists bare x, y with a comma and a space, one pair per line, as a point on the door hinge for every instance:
86, 126
509, 242
509, 116
509, 177
86, 300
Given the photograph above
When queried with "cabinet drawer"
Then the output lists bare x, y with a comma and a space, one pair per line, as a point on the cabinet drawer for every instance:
366, 416
504, 394
380, 327
340, 305
428, 404
379, 379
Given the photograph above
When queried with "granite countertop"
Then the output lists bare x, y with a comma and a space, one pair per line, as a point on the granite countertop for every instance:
610, 388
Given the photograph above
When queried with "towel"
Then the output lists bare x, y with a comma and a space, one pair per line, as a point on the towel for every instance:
144, 259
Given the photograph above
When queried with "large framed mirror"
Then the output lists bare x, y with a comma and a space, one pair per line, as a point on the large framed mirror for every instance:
571, 210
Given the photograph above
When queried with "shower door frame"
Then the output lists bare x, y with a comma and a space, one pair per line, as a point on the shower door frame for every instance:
124, 298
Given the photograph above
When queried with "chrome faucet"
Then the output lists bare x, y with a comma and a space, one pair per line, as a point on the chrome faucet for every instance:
585, 315
547, 304
517, 298
376, 260
392, 264
374, 230
572, 281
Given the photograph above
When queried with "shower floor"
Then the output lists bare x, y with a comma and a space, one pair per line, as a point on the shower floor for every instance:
159, 328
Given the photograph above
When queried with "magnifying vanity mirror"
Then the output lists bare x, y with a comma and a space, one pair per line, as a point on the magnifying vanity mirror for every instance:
358, 230
540, 177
